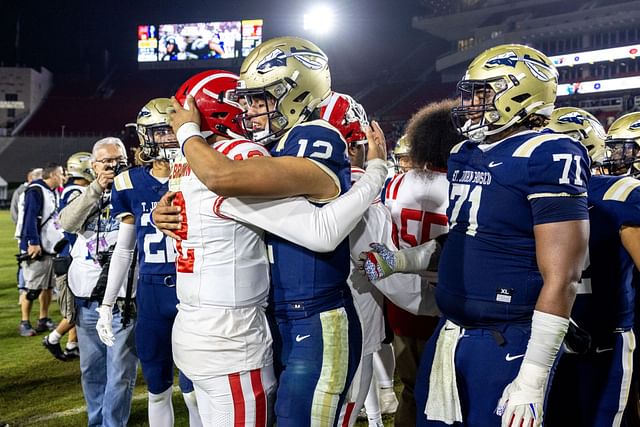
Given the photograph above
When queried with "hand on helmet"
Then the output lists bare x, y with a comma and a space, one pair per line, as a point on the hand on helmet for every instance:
377, 143
182, 115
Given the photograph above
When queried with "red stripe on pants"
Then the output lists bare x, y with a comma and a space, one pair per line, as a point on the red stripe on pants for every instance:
238, 400
347, 413
260, 398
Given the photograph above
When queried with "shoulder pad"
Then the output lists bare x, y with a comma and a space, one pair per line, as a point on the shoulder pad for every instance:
457, 147
318, 122
621, 189
527, 148
123, 181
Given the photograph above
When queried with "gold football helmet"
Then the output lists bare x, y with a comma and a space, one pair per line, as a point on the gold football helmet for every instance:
402, 162
623, 144
582, 126
79, 166
291, 72
157, 140
502, 87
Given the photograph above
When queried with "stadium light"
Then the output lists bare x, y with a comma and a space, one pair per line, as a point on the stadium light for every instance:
319, 20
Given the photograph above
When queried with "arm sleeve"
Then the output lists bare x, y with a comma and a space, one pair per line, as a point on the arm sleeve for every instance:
319, 229
33, 203
75, 214
120, 262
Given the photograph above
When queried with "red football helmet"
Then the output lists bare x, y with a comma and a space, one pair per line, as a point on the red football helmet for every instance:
346, 115
214, 94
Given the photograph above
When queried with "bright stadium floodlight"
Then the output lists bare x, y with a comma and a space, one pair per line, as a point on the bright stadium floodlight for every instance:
319, 20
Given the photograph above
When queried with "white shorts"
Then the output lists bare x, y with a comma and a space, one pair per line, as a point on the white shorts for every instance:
239, 399
211, 342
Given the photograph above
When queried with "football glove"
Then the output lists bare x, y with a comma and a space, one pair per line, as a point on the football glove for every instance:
378, 263
522, 400
105, 330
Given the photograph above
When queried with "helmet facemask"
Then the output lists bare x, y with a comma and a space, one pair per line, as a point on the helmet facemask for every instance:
622, 157
158, 142
477, 113
267, 100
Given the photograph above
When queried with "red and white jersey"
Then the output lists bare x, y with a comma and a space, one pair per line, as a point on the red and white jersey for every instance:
418, 203
220, 262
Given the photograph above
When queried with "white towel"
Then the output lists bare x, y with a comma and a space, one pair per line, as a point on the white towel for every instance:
443, 402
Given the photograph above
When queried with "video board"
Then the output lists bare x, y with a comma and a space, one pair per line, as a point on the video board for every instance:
198, 41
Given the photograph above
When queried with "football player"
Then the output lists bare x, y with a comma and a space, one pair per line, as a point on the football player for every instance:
135, 192
623, 143
518, 231
221, 338
284, 80
80, 175
349, 117
418, 202
323, 232
401, 158
595, 383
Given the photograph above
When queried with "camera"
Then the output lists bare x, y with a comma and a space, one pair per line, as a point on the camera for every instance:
26, 257
118, 168
104, 259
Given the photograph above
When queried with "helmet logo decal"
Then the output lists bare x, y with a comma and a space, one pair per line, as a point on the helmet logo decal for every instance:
572, 117
510, 59
635, 125
535, 65
278, 58
144, 113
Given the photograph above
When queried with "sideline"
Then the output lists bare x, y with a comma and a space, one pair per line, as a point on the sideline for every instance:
79, 410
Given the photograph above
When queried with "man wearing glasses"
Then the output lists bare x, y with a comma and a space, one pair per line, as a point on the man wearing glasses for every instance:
108, 373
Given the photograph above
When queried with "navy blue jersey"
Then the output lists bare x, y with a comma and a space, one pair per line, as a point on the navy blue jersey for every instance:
135, 192
306, 282
498, 192
613, 202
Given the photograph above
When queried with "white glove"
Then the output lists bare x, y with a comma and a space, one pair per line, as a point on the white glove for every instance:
522, 400
105, 331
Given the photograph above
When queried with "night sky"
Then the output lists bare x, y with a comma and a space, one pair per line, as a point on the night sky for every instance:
91, 36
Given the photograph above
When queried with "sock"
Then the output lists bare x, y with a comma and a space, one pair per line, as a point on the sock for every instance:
371, 403
71, 345
160, 409
54, 337
384, 364
192, 406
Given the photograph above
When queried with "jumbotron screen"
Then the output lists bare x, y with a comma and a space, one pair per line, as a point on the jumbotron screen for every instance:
198, 41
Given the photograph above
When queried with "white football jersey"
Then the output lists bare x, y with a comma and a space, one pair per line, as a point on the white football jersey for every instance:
375, 226
418, 203
220, 262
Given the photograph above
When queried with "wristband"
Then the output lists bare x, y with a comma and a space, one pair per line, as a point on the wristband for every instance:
547, 333
186, 131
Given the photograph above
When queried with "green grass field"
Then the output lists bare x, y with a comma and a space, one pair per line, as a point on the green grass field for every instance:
35, 388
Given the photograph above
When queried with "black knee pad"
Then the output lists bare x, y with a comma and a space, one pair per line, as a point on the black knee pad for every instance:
33, 294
